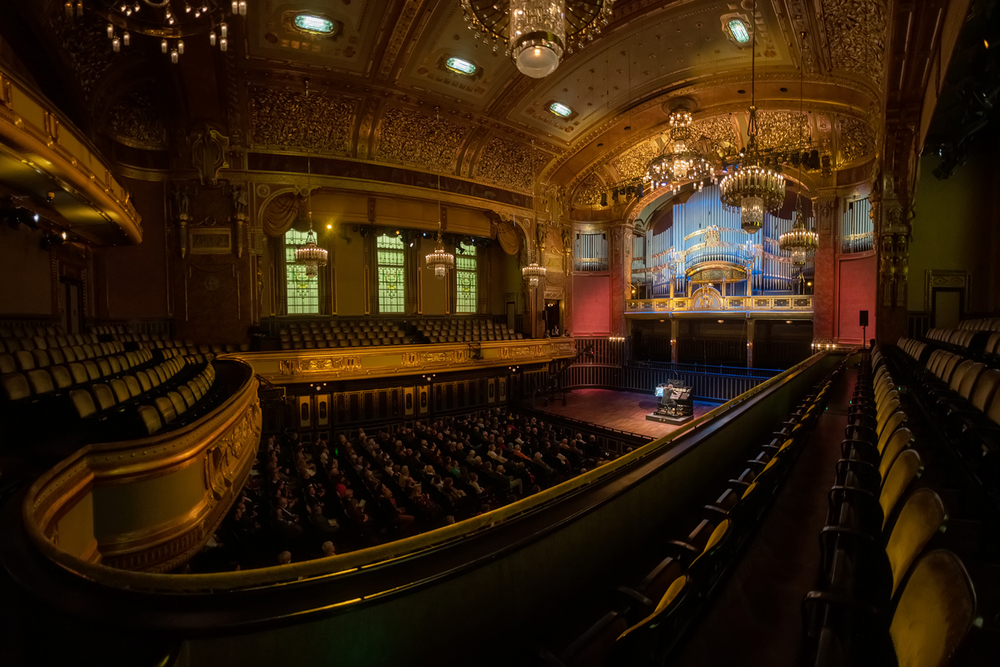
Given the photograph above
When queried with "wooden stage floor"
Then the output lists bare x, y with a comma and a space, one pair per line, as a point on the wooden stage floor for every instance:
624, 410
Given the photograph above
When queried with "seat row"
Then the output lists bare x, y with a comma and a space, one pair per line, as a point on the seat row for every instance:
12, 344
968, 380
982, 324
27, 379
647, 618
155, 399
25, 360
22, 331
883, 596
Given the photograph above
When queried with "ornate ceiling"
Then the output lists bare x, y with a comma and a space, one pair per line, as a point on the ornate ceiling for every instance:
378, 91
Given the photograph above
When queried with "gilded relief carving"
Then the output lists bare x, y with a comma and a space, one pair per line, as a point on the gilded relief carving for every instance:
589, 191
781, 128
509, 164
857, 140
632, 163
412, 138
855, 31
292, 119
133, 121
86, 43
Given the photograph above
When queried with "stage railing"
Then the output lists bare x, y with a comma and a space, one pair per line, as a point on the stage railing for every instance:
706, 386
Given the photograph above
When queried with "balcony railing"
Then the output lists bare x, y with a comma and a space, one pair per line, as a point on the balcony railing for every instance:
792, 304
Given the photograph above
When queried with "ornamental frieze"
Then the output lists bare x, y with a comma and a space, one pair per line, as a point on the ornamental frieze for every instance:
509, 164
855, 31
294, 119
857, 140
412, 138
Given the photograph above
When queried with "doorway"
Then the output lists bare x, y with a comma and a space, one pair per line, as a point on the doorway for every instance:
552, 315
72, 312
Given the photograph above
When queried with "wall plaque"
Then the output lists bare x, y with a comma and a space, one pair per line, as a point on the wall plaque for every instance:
210, 240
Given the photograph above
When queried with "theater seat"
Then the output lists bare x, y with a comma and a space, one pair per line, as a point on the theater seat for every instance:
15, 386
83, 402
935, 611
150, 418
166, 409
907, 467
922, 516
646, 641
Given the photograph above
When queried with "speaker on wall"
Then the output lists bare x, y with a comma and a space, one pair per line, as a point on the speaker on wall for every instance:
864, 319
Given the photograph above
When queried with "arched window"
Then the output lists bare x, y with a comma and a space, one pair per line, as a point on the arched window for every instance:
466, 279
391, 258
302, 293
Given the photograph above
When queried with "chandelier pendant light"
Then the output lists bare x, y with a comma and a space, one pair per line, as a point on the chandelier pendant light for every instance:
680, 160
440, 260
801, 243
753, 188
311, 255
537, 33
533, 272
169, 21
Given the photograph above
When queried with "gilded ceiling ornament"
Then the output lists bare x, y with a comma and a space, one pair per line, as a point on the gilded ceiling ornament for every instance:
781, 128
293, 119
132, 120
857, 140
412, 138
85, 42
855, 31
632, 163
509, 164
589, 191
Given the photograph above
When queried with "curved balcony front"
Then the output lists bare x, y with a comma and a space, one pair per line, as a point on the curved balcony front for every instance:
149, 504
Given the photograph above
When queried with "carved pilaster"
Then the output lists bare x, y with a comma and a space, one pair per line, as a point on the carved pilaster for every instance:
825, 209
892, 213
621, 272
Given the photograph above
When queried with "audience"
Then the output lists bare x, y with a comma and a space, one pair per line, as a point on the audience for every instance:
323, 498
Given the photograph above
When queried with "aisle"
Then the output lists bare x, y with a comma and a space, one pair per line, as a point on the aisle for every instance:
756, 619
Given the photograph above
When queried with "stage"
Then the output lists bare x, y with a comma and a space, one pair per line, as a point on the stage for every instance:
624, 410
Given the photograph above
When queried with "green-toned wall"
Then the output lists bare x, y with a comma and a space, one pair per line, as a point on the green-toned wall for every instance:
955, 229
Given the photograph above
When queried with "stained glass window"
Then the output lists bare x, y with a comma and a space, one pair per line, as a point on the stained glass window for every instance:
391, 289
302, 292
466, 279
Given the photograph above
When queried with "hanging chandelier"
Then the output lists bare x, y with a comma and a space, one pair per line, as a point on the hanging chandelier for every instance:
537, 32
532, 273
440, 260
800, 242
681, 160
752, 189
170, 21
311, 255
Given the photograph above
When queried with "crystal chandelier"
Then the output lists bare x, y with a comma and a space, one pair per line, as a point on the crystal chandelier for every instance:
311, 255
680, 160
171, 21
537, 32
440, 260
752, 189
800, 242
532, 272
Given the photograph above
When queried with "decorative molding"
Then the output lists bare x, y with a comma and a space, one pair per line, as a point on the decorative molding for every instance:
408, 137
133, 120
284, 119
320, 365
856, 34
509, 164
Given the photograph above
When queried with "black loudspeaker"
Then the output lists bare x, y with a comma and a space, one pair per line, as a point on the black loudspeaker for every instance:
864, 319
604, 199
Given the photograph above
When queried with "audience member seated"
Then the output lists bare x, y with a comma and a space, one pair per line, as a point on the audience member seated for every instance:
330, 497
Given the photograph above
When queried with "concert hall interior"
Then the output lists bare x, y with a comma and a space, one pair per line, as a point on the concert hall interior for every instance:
556, 333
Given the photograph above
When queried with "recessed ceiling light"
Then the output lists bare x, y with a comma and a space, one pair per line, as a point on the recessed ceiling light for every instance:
460, 66
314, 25
560, 109
738, 29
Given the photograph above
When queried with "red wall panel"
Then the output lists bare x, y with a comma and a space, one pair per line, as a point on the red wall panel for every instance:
856, 290
591, 305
